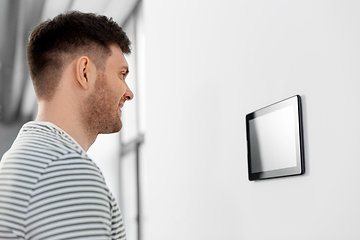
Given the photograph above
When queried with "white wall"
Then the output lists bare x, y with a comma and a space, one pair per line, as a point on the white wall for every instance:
209, 63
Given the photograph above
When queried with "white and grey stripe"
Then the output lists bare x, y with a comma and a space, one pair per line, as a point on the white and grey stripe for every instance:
50, 189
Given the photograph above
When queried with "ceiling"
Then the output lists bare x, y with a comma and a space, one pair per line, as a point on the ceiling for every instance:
17, 19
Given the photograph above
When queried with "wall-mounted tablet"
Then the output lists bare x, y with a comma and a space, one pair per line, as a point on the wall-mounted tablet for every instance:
275, 140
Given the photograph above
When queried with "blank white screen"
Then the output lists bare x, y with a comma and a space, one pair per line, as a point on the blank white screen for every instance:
273, 141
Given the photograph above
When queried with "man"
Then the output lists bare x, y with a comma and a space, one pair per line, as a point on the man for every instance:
49, 187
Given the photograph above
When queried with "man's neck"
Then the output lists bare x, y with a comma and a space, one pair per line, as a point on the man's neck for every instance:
70, 123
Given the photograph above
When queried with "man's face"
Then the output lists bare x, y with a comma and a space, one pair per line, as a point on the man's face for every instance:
103, 107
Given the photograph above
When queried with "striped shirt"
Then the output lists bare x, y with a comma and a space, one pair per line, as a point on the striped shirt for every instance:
50, 189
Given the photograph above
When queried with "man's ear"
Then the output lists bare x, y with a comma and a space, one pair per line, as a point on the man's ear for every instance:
83, 72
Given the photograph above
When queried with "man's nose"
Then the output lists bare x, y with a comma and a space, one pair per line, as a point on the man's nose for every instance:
128, 93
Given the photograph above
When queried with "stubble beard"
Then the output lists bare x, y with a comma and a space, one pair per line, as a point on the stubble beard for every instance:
101, 114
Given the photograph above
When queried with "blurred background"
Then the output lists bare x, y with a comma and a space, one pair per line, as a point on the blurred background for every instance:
179, 166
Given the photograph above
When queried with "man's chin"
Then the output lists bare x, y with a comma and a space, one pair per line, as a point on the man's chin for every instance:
119, 128
114, 128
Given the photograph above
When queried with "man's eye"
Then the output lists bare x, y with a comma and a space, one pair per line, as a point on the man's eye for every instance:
122, 76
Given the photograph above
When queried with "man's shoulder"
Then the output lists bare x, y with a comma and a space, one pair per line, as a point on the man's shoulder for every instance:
42, 150
47, 139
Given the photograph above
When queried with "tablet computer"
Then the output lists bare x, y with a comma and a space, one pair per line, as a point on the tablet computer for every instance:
275, 143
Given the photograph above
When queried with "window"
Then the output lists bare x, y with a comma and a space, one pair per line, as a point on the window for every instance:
132, 135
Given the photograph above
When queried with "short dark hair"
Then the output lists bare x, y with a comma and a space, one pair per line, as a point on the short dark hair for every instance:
55, 42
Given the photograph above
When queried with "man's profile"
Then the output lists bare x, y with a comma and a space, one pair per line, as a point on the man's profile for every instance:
49, 187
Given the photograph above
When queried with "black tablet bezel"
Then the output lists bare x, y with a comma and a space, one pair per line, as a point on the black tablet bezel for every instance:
300, 162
